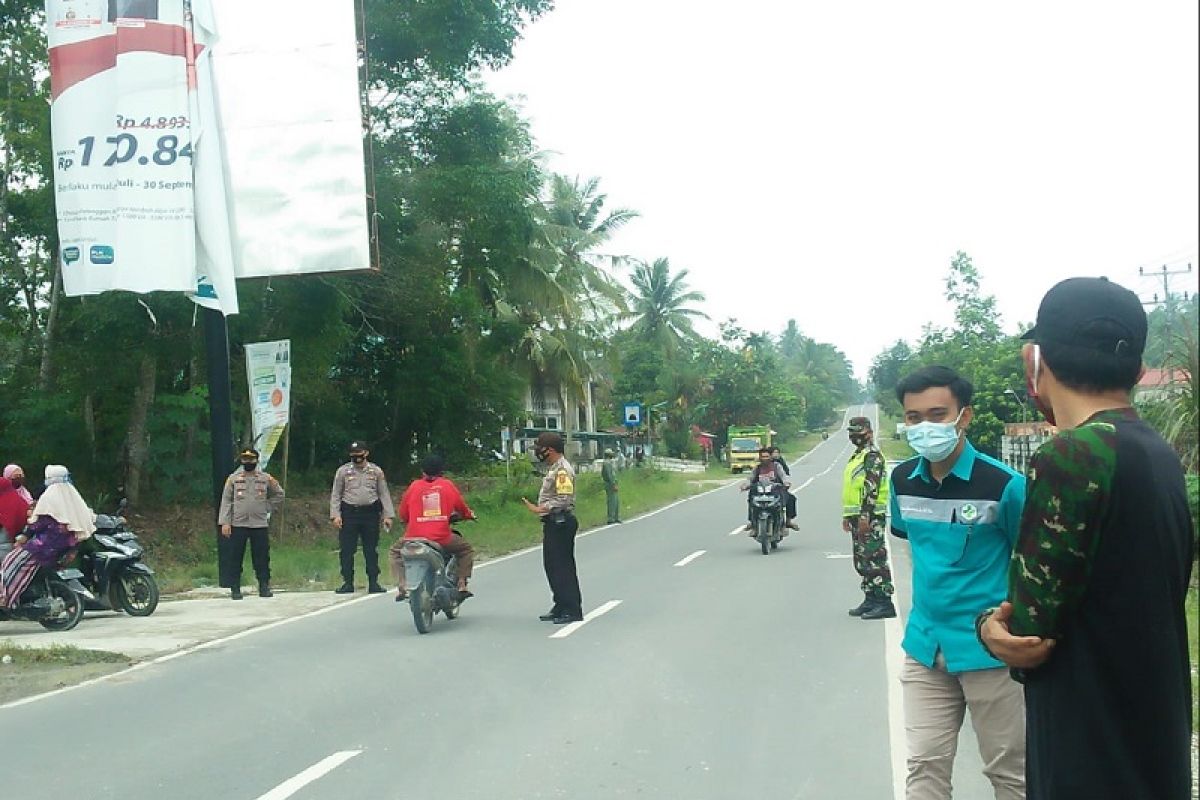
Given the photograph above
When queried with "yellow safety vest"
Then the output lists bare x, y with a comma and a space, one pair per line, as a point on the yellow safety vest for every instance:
854, 485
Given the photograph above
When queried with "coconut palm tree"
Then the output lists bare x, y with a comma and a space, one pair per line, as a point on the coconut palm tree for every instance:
660, 309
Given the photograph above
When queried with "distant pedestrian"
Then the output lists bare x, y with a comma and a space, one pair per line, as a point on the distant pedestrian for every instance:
556, 507
608, 472
358, 502
959, 510
1095, 624
639, 455
864, 517
622, 461
247, 502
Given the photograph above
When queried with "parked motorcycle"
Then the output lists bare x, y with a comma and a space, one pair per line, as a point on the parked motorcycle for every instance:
432, 581
49, 600
116, 577
767, 506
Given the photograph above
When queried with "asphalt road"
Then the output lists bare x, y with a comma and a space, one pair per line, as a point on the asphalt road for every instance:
704, 670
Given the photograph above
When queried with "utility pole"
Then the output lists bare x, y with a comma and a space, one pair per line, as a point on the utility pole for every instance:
1168, 301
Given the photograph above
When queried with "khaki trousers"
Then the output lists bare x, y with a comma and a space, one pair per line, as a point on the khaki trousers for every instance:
934, 704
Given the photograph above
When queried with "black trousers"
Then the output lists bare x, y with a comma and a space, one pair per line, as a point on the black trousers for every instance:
260, 554
558, 558
359, 526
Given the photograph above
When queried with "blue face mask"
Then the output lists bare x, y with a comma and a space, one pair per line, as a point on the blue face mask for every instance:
934, 440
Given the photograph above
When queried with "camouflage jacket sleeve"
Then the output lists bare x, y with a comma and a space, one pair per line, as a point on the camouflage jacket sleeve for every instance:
873, 468
1070, 479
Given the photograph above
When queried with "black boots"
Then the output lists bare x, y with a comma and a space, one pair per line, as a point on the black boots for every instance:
860, 608
235, 593
264, 589
879, 608
345, 588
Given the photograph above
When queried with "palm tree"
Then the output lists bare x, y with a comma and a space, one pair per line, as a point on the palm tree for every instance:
574, 227
660, 310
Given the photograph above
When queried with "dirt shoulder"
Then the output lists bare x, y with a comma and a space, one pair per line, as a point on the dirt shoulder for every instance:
179, 623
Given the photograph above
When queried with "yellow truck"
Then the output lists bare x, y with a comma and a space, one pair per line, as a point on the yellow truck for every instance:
743, 444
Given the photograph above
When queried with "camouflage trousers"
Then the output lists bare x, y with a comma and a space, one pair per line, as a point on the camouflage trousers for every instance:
871, 558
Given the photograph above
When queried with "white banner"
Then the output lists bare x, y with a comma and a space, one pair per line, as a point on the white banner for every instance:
269, 377
123, 75
288, 95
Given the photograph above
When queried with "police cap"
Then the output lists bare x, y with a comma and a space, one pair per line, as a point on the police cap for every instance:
859, 425
248, 454
358, 447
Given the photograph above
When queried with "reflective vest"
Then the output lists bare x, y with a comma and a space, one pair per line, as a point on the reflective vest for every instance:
854, 485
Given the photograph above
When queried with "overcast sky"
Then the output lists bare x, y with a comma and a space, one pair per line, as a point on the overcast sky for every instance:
824, 161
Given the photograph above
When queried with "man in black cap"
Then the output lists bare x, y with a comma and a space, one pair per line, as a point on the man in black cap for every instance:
358, 502
1094, 624
556, 507
249, 497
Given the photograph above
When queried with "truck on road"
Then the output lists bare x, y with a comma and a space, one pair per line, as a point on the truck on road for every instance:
743, 444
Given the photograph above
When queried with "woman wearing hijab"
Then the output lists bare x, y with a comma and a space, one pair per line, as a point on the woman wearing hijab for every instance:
60, 521
16, 475
14, 512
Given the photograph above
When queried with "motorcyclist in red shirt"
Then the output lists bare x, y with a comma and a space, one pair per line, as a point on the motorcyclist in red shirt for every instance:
425, 510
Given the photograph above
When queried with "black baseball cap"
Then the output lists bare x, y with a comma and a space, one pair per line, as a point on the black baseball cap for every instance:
858, 425
1091, 313
358, 447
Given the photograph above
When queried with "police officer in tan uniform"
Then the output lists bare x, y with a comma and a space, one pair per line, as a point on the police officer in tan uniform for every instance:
357, 504
556, 507
249, 497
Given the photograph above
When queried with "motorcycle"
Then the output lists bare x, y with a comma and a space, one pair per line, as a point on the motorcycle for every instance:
114, 574
767, 508
432, 581
49, 600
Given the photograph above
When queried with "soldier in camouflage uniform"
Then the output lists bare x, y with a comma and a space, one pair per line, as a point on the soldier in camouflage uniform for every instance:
864, 517
1095, 626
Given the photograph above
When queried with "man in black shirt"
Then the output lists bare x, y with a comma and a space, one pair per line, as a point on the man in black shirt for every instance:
1094, 624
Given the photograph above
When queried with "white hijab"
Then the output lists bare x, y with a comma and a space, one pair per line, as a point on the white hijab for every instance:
62, 501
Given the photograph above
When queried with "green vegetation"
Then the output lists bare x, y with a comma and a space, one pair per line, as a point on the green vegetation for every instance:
56, 655
1193, 621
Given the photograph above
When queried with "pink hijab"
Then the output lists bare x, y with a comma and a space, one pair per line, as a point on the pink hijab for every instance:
13, 469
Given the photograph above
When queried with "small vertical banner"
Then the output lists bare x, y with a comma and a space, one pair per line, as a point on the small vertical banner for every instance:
269, 378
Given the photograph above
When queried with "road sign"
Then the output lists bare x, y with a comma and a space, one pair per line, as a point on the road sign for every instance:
631, 415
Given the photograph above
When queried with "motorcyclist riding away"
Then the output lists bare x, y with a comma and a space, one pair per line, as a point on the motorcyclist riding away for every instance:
770, 468
425, 510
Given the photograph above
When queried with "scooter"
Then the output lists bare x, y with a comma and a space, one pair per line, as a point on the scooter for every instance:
114, 574
432, 580
767, 508
49, 600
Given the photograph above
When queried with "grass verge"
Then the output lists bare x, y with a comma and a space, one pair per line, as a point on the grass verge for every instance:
34, 670
893, 449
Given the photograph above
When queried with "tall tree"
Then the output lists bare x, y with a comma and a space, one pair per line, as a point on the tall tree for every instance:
661, 310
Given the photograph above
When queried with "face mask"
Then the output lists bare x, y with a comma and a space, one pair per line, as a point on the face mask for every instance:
934, 440
1031, 382
859, 439
542, 453
249, 466
17, 482
358, 459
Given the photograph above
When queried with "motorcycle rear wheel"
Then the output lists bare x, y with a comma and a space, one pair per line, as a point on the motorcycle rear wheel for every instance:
421, 602
136, 593
72, 608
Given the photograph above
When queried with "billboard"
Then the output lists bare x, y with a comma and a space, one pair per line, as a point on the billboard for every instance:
196, 141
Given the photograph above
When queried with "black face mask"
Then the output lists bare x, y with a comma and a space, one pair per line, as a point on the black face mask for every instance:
358, 459
17, 482
859, 439
249, 466
542, 453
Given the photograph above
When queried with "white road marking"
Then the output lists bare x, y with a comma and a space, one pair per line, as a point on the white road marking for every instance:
737, 530
838, 555
683, 562
318, 770
570, 628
